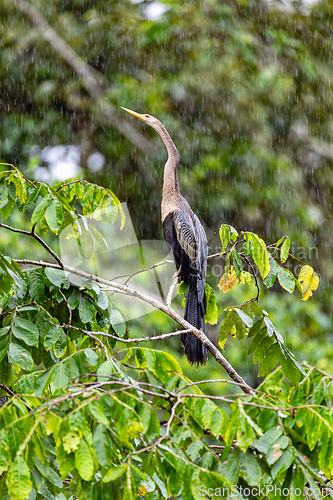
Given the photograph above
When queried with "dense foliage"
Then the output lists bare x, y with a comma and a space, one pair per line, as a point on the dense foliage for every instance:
245, 90
85, 417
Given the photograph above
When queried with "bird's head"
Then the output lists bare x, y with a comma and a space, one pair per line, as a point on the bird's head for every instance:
150, 120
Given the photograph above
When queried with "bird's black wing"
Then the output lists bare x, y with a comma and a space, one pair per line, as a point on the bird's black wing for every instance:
192, 239
201, 256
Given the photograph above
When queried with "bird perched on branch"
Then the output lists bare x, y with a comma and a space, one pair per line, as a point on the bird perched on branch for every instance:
187, 238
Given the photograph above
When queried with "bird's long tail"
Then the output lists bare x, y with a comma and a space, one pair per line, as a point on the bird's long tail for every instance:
195, 310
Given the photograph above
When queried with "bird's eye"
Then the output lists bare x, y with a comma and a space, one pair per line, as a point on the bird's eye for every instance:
147, 116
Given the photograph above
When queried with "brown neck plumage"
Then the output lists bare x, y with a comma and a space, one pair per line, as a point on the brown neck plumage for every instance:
171, 192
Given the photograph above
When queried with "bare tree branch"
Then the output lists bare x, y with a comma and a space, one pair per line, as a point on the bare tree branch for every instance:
172, 287
125, 341
36, 237
162, 307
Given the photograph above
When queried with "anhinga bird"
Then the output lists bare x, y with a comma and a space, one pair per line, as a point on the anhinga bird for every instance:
187, 238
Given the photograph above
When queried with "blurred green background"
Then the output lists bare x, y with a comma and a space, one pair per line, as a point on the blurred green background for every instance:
245, 89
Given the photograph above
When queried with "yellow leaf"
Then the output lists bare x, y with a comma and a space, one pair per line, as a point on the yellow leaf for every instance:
71, 441
309, 281
245, 277
228, 280
232, 333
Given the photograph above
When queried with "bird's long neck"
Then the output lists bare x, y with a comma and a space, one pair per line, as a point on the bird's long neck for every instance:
170, 181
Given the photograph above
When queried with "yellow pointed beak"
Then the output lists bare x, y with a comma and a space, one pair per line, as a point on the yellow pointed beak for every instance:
141, 117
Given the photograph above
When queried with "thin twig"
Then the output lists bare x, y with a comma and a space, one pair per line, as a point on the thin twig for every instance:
168, 426
255, 278
36, 237
94, 337
130, 276
83, 181
13, 395
215, 381
67, 304
164, 336
172, 287
214, 234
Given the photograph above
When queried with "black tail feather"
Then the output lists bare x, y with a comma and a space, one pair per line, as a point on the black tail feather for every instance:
194, 349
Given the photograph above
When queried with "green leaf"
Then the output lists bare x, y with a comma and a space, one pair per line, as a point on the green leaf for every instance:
244, 433
20, 356
268, 438
84, 461
26, 331
227, 328
128, 423
263, 347
40, 208
102, 445
182, 289
54, 216
56, 276
97, 411
36, 285
102, 300
32, 197
60, 345
211, 315
118, 323
42, 383
290, 368
86, 242
259, 337
313, 485
60, 376
230, 470
114, 473
3, 195
286, 279
105, 370
165, 366
219, 419
283, 463
256, 308
160, 485
51, 337
193, 450
256, 327
285, 250
244, 317
259, 253
71, 441
71, 368
271, 276
271, 360
224, 236
18, 479
274, 452
5, 458
250, 469
229, 432
92, 357
207, 412
86, 309
7, 209
237, 262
